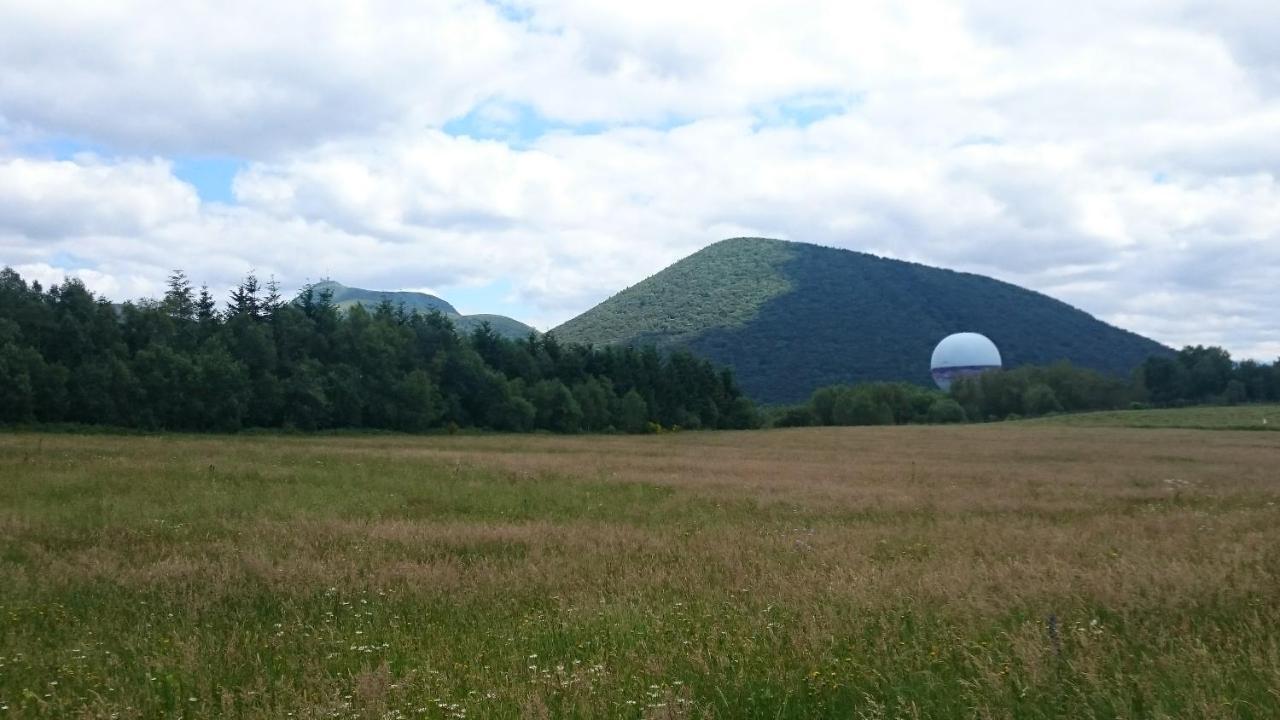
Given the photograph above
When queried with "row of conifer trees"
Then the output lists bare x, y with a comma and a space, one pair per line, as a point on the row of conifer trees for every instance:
184, 362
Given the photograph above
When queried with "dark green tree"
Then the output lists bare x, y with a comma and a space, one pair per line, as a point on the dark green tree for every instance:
632, 415
1039, 399
946, 410
179, 299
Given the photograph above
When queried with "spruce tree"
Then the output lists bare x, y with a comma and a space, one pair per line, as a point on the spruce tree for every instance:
273, 301
179, 301
244, 299
206, 307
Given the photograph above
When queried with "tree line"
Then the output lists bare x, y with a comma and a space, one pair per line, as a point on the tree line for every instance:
873, 403
184, 362
1199, 375
259, 361
1195, 375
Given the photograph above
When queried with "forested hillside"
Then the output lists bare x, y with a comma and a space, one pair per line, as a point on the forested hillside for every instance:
346, 297
791, 318
185, 363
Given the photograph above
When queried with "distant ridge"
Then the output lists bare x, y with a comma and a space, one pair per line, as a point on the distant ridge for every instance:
345, 297
792, 317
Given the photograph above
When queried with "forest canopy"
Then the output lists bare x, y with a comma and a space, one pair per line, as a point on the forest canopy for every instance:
187, 362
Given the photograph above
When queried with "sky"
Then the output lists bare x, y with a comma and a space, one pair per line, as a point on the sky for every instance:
533, 158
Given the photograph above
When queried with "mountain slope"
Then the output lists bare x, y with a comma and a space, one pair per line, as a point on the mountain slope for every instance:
500, 324
792, 317
345, 297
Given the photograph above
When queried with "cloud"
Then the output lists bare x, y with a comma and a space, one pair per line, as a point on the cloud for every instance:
50, 201
1120, 157
244, 78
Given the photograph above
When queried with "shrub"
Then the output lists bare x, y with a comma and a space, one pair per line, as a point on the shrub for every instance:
946, 410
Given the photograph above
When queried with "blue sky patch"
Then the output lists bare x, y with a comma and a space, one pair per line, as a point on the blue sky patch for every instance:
805, 110
495, 298
515, 124
511, 11
69, 261
520, 125
211, 176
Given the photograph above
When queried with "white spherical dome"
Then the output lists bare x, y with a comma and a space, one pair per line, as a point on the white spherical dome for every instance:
963, 355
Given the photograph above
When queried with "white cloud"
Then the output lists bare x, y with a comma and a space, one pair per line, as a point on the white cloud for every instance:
1121, 157
243, 77
58, 200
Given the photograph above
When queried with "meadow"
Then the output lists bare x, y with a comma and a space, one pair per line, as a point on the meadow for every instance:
1012, 570
1206, 417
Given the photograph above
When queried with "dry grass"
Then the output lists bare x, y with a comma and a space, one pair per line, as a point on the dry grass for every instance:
1232, 417
895, 572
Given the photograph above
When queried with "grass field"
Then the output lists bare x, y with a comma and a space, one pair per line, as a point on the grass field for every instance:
999, 571
1236, 417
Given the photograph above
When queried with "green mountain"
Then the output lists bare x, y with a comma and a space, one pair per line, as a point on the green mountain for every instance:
501, 324
792, 317
345, 297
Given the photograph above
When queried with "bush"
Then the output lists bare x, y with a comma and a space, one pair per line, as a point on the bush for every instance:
859, 408
1040, 399
799, 416
945, 410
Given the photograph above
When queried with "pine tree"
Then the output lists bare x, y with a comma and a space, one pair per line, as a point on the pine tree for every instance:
178, 299
206, 307
273, 301
244, 299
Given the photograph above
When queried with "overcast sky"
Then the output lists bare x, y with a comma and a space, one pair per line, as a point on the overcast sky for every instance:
533, 158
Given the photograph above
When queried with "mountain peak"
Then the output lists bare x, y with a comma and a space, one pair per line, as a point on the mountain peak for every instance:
345, 297
790, 317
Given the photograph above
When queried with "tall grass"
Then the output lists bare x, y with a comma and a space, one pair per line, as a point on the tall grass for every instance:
850, 573
1232, 417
